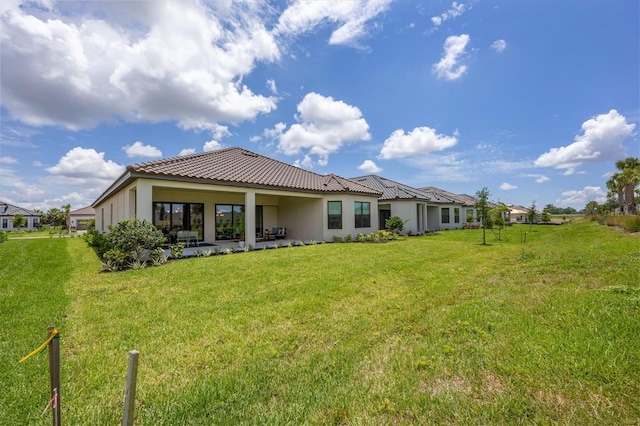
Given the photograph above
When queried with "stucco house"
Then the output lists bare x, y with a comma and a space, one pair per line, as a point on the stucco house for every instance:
8, 213
424, 209
215, 194
520, 214
80, 217
462, 205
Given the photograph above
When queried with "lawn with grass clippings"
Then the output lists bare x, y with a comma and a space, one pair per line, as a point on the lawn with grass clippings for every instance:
425, 330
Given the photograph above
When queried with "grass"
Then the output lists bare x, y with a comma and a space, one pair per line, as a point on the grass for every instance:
427, 330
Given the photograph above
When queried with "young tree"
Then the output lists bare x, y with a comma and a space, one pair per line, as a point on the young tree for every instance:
531, 213
497, 215
482, 205
19, 221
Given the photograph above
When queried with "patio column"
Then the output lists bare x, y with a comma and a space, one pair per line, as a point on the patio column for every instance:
250, 218
144, 200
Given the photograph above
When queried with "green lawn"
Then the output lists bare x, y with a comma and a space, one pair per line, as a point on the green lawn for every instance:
425, 330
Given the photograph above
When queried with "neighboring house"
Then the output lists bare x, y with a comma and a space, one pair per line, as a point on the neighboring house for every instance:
519, 214
210, 192
81, 217
423, 209
8, 212
454, 208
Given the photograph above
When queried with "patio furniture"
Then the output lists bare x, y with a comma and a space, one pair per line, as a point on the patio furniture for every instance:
279, 233
187, 237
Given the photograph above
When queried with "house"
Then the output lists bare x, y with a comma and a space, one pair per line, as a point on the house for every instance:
423, 209
81, 217
520, 214
454, 209
8, 213
219, 194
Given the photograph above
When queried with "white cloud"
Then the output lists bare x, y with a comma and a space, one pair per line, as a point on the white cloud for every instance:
306, 162
602, 140
369, 167
449, 67
256, 138
456, 10
86, 167
138, 149
324, 126
8, 160
136, 63
420, 140
580, 198
271, 85
212, 145
187, 151
507, 186
499, 45
351, 17
538, 178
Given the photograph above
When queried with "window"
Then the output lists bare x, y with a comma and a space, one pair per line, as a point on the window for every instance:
456, 215
229, 221
173, 217
5, 223
334, 217
362, 214
445, 214
469, 215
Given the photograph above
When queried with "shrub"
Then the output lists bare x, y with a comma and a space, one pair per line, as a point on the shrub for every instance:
337, 239
395, 224
348, 238
177, 250
157, 256
132, 236
3, 236
98, 241
116, 259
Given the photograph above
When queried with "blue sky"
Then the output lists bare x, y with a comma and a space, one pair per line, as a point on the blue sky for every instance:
535, 100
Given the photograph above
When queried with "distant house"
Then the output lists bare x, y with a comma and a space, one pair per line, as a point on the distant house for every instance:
520, 214
8, 213
424, 209
81, 217
217, 194
466, 202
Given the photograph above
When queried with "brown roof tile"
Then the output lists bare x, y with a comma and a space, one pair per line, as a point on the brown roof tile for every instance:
239, 166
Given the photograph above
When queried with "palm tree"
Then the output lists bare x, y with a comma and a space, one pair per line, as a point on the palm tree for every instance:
630, 177
616, 186
67, 215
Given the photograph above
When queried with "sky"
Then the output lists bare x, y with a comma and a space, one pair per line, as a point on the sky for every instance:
534, 99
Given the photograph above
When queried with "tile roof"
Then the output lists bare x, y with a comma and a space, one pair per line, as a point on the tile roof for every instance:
84, 211
7, 209
238, 166
392, 190
463, 199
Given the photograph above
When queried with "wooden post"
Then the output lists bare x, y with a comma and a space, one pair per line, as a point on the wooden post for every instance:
130, 391
54, 374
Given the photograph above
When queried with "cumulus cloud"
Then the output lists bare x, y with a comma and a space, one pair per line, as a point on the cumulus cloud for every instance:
456, 10
602, 140
86, 166
8, 160
369, 167
420, 140
499, 45
581, 197
212, 145
449, 66
138, 149
187, 151
324, 126
351, 17
506, 186
140, 65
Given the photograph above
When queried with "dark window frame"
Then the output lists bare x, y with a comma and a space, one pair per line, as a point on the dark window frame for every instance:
442, 215
362, 219
334, 221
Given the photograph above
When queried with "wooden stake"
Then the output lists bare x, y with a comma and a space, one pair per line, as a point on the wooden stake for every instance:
54, 374
130, 391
